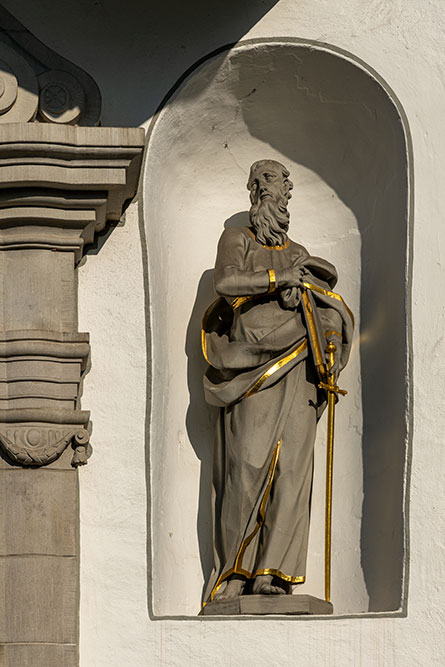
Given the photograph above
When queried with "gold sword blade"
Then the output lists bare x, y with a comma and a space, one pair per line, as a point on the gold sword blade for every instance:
332, 390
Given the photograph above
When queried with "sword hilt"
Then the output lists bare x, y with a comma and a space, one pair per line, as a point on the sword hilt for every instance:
332, 388
330, 385
331, 349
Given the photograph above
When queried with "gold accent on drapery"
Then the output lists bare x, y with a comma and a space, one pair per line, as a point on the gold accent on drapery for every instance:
333, 295
262, 510
237, 568
236, 303
272, 281
274, 368
240, 300
319, 360
281, 575
204, 342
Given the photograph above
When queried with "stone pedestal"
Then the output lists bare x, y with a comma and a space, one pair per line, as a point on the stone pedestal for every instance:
263, 605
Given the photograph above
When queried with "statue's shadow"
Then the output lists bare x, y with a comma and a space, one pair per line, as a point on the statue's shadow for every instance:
201, 417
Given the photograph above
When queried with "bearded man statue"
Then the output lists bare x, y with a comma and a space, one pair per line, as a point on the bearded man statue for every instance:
264, 340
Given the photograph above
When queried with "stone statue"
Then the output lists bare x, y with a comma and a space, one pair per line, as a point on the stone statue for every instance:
265, 341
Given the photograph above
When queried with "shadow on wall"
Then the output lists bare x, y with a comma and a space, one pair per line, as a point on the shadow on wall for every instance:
142, 43
201, 417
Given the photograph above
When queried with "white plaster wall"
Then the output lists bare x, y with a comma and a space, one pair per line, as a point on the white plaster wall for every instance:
403, 40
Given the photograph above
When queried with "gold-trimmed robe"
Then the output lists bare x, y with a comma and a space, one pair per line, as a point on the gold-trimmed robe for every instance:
265, 353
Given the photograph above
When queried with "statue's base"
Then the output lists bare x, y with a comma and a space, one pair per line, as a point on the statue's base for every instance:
262, 605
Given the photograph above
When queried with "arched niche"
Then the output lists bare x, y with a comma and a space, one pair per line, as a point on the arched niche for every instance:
342, 134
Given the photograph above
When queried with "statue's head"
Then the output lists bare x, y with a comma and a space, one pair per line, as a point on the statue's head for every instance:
269, 187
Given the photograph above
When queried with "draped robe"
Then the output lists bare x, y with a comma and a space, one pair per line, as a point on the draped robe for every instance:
265, 351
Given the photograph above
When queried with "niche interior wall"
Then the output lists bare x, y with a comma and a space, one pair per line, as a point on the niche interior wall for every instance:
342, 133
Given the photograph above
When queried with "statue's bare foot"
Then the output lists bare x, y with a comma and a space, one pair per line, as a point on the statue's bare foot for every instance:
263, 586
233, 589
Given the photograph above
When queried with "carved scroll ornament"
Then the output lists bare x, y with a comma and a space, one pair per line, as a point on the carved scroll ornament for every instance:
37, 83
39, 446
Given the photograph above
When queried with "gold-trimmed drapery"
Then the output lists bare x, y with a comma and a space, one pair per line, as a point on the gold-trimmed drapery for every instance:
238, 568
266, 353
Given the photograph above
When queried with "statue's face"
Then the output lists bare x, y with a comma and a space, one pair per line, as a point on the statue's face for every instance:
266, 181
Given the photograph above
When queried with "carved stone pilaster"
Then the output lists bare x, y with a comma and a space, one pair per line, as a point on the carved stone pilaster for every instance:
58, 187
61, 179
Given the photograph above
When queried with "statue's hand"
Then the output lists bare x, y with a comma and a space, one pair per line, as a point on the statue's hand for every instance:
291, 276
289, 297
336, 366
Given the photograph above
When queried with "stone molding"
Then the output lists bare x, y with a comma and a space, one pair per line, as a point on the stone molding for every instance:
59, 186
40, 373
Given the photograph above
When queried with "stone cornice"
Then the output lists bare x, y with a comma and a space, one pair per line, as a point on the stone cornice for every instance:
59, 185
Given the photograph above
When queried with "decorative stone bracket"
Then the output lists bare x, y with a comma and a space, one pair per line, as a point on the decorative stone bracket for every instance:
38, 84
58, 187
39, 385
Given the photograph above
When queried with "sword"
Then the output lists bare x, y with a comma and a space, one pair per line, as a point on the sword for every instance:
332, 391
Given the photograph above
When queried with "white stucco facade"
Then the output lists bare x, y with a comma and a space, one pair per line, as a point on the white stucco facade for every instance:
403, 41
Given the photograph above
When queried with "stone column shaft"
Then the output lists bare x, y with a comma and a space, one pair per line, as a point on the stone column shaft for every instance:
58, 187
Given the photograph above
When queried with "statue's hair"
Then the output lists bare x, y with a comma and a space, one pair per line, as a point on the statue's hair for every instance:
287, 183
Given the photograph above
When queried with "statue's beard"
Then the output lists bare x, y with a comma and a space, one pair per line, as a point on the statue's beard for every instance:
270, 221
